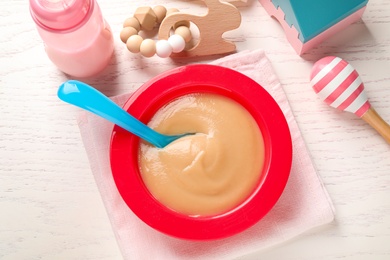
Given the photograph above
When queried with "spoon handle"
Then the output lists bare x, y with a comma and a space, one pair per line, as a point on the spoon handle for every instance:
86, 97
374, 120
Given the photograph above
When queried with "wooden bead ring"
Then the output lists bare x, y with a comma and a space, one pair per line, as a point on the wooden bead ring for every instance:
146, 18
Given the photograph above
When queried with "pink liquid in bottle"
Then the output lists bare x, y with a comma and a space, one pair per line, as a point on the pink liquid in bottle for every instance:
77, 38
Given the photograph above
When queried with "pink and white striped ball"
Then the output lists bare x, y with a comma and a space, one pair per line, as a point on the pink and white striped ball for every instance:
339, 85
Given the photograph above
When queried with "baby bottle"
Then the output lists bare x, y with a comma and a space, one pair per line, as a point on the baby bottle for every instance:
77, 38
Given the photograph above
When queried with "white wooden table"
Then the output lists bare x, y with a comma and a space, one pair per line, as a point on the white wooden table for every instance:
50, 207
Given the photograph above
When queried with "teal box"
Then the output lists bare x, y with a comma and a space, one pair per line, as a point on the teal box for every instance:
309, 22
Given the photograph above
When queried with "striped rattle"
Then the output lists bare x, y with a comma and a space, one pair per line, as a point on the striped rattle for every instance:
339, 85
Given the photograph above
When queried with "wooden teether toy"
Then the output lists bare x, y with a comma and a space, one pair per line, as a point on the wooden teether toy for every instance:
339, 85
146, 18
221, 17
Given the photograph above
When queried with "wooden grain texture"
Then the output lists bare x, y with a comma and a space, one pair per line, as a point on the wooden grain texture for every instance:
50, 206
377, 122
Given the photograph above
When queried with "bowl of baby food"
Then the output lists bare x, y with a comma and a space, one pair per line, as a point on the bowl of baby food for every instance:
223, 177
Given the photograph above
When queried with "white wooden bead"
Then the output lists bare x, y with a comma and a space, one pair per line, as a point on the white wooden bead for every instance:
177, 43
163, 49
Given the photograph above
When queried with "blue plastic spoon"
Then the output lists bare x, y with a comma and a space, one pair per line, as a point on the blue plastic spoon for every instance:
86, 97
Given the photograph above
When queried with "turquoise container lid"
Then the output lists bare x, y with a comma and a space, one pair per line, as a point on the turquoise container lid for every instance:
312, 17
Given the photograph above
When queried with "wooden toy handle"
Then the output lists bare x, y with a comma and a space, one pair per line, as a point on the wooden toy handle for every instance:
374, 120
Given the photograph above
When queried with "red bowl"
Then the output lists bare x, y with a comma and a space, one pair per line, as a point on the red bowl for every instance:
170, 85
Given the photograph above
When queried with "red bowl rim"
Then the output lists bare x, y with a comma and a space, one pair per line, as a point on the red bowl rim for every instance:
202, 78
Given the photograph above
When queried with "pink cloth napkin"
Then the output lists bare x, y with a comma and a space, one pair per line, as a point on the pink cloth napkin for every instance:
304, 204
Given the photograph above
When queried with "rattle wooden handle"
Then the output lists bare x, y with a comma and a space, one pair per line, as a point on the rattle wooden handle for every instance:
374, 120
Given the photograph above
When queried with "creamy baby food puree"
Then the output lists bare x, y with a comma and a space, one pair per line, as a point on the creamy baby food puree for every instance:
211, 171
